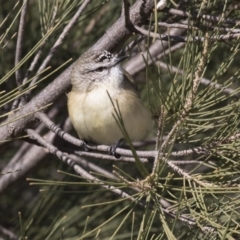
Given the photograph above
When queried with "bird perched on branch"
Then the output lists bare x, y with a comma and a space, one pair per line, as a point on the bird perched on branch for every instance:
99, 82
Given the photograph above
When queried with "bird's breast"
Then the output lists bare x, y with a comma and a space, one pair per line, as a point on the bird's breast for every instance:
92, 115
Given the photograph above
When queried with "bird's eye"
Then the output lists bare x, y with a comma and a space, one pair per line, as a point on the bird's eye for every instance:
100, 69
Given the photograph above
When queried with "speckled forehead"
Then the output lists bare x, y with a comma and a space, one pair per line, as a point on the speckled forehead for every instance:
105, 56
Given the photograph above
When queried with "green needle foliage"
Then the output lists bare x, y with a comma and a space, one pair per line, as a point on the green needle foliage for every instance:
186, 186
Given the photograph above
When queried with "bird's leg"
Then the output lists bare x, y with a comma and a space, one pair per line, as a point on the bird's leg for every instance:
112, 149
85, 147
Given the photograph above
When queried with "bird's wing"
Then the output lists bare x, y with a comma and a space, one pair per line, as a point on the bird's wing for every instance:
131, 82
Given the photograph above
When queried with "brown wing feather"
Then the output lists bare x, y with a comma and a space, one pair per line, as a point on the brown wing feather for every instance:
131, 82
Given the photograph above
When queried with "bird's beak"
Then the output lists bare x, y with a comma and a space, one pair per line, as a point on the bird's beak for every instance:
120, 59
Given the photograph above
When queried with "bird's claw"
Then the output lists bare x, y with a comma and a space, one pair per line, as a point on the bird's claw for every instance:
113, 148
85, 147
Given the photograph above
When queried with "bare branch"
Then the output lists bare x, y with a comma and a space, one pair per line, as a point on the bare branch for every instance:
92, 167
126, 13
7, 233
185, 26
52, 126
111, 158
179, 12
220, 38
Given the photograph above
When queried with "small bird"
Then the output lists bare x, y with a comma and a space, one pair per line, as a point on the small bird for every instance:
96, 77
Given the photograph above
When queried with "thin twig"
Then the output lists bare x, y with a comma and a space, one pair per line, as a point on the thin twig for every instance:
111, 158
19, 46
132, 160
33, 63
179, 12
220, 38
92, 167
186, 26
126, 14
176, 25
131, 45
53, 127
7, 233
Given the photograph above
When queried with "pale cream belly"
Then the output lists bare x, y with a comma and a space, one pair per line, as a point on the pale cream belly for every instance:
92, 116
